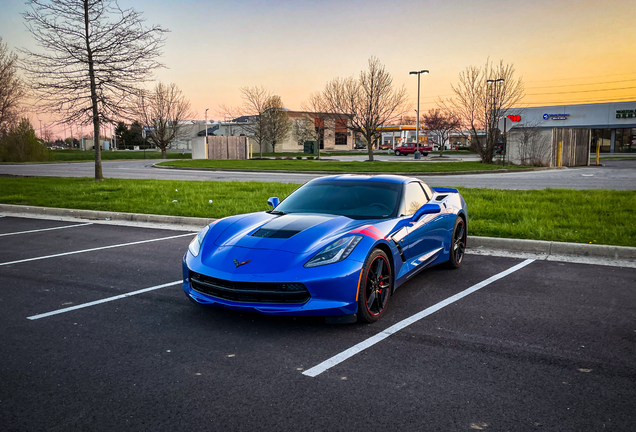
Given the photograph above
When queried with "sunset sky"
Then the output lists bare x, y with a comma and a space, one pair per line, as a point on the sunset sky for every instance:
566, 51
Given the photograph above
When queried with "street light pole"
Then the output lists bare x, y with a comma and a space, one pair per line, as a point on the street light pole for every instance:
206, 133
494, 102
417, 122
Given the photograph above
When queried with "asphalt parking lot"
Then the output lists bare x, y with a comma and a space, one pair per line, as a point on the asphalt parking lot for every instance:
549, 346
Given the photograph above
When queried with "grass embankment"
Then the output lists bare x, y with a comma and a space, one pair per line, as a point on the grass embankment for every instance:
80, 155
588, 216
334, 166
324, 153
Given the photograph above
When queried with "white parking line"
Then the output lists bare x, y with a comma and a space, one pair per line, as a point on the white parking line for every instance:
348, 353
93, 249
45, 229
109, 299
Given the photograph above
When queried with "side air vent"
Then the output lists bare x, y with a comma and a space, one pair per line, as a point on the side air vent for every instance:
440, 197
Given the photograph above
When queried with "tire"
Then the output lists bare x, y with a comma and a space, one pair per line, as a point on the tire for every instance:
397, 152
458, 244
374, 291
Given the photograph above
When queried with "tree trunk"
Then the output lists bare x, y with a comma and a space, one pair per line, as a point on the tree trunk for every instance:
369, 147
163, 152
91, 73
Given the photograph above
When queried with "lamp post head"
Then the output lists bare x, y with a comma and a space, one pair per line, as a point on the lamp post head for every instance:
500, 80
490, 81
425, 71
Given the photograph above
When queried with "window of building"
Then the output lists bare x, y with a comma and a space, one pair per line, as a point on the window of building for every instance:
602, 137
625, 141
341, 132
414, 198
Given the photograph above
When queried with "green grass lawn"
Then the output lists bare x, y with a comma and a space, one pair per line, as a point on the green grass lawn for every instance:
80, 155
347, 167
324, 153
587, 216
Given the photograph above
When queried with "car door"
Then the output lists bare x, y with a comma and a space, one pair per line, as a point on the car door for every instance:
425, 237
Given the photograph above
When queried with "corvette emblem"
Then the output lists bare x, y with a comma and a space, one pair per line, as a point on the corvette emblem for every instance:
238, 264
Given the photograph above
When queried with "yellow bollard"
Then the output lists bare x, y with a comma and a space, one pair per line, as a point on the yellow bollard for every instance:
250, 151
598, 152
559, 155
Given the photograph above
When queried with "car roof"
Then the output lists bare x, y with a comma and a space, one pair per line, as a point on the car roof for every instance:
370, 178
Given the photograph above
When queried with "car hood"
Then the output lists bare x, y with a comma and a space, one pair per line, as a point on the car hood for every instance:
296, 233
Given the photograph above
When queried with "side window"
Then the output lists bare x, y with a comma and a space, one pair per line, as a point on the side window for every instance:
414, 198
428, 190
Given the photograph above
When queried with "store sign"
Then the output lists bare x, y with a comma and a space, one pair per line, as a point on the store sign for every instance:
628, 113
514, 118
555, 116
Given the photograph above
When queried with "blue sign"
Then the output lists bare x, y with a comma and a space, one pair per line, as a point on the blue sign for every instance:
555, 116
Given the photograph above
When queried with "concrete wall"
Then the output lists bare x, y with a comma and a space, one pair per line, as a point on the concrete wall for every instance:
530, 146
198, 148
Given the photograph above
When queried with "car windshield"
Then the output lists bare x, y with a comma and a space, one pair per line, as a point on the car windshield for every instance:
354, 199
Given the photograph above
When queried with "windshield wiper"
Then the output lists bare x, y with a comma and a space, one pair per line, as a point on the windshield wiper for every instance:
276, 212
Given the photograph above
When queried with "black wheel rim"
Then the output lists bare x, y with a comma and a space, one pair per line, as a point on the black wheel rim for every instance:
377, 287
459, 242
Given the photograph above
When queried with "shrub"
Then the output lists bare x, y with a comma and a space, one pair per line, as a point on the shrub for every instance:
310, 157
299, 157
20, 144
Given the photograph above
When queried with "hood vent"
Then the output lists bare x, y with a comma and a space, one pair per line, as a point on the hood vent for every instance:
286, 226
272, 233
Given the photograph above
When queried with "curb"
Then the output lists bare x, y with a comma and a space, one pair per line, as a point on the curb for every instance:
553, 248
106, 215
474, 242
407, 174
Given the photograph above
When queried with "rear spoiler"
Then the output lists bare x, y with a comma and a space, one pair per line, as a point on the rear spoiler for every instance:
445, 190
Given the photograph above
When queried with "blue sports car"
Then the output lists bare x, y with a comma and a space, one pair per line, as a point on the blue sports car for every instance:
336, 247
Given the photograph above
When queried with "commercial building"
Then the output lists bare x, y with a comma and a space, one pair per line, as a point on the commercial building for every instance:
612, 125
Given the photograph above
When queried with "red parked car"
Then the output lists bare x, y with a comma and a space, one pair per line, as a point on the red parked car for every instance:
409, 148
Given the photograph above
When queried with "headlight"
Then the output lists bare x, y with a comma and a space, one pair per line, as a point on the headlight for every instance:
336, 251
195, 244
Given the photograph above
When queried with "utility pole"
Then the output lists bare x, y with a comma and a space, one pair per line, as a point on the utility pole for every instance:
417, 127
206, 133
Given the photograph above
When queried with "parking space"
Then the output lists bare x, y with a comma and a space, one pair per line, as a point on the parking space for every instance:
549, 346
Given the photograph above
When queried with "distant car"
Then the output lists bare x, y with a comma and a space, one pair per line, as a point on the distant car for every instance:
409, 148
386, 146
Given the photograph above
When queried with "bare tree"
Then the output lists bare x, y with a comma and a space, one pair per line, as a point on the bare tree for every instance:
255, 101
441, 122
276, 122
316, 123
229, 114
94, 56
367, 103
12, 89
482, 97
164, 110
268, 120
534, 145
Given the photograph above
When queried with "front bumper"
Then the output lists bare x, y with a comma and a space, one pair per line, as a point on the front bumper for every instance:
332, 288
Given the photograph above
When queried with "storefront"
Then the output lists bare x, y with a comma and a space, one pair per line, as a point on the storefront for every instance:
612, 125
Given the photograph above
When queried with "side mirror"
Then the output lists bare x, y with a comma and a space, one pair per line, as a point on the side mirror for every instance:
424, 210
273, 201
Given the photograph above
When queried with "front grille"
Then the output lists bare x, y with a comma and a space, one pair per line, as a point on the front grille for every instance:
252, 292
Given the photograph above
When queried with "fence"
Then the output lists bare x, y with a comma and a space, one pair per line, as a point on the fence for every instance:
230, 147
575, 146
